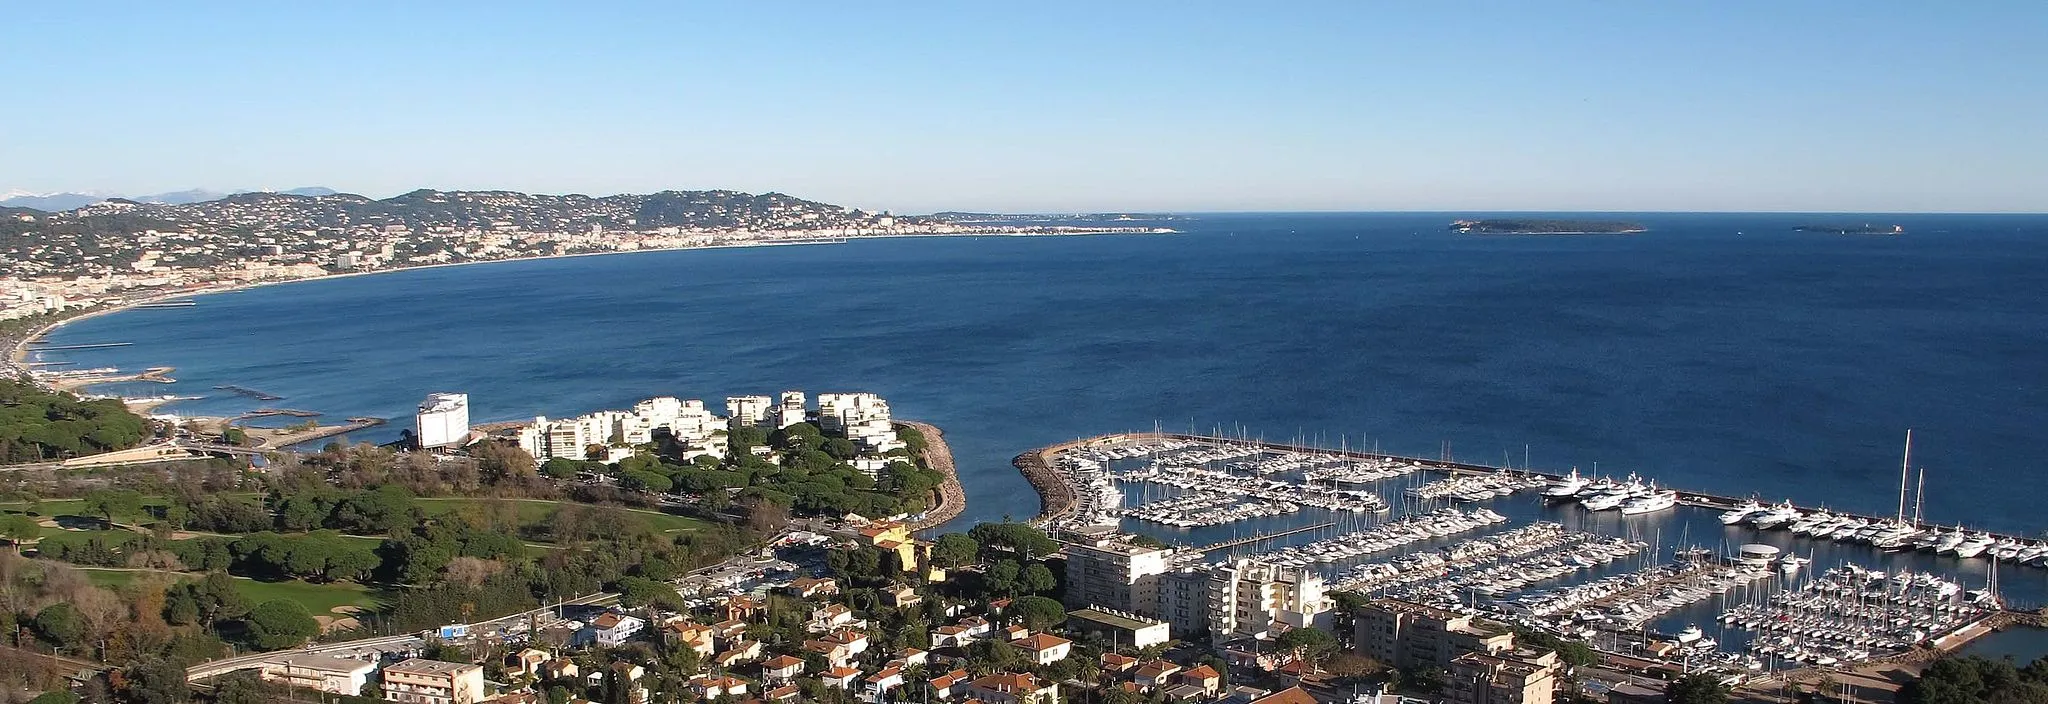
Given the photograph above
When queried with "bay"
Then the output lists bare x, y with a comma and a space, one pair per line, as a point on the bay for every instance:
1718, 352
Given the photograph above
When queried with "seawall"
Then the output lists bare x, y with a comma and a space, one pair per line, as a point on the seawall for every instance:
952, 498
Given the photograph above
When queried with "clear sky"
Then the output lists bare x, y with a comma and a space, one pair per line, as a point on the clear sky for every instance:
1050, 106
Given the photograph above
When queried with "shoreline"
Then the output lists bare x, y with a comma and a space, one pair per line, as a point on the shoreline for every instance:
19, 355
952, 497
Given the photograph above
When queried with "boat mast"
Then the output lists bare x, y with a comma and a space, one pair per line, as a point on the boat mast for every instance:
1905, 462
1919, 496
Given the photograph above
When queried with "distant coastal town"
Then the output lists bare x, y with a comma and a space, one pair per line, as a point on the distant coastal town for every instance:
119, 252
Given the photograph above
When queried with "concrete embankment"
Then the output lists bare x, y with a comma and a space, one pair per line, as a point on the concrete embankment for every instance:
952, 498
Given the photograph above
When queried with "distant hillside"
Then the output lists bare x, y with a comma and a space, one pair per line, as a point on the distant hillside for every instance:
56, 202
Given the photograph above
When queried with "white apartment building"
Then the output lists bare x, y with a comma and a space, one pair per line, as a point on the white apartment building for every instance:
418, 681
792, 409
321, 673
443, 420
862, 417
743, 411
1246, 597
1114, 575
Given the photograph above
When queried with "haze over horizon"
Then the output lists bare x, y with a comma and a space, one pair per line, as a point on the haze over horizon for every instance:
1823, 107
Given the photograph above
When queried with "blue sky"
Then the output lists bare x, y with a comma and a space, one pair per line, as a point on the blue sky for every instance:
1049, 106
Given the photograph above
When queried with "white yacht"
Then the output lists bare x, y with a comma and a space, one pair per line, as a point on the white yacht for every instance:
1771, 517
1974, 545
1567, 487
1656, 501
1737, 514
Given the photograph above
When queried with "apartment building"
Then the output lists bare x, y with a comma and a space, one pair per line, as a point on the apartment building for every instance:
419, 681
1115, 575
1513, 677
1407, 634
321, 673
1247, 597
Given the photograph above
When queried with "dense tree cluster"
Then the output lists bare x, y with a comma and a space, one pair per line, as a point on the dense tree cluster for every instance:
37, 425
1977, 680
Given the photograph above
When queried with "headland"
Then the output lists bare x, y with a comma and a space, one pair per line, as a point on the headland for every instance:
1520, 226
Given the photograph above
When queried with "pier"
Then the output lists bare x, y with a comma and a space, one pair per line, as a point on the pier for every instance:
155, 375
1262, 537
251, 393
39, 346
166, 304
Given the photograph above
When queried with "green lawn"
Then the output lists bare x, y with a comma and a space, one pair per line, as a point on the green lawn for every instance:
317, 598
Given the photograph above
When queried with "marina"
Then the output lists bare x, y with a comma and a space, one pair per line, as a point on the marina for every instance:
1637, 568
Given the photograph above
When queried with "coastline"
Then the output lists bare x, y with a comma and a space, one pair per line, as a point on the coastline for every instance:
952, 496
18, 356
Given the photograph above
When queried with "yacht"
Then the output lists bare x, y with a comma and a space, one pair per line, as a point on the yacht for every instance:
1974, 545
1947, 543
1656, 501
1812, 522
1602, 502
1771, 517
1737, 514
1567, 487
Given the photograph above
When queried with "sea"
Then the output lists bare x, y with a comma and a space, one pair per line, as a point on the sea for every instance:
1722, 353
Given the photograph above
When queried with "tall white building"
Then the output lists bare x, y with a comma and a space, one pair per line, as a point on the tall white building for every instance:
862, 417
1246, 597
1115, 575
743, 411
443, 420
791, 411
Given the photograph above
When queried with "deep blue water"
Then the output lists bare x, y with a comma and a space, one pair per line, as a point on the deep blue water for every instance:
1718, 352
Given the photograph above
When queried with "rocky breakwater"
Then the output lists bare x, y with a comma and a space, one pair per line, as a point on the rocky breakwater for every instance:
1056, 497
937, 456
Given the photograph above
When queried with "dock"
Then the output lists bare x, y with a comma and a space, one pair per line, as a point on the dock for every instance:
1262, 537
251, 393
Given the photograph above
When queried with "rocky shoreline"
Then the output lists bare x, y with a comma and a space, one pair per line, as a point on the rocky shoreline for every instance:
1056, 498
952, 497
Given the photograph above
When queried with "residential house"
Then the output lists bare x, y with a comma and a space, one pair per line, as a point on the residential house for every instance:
560, 668
1013, 688
839, 677
1117, 663
715, 686
1155, 674
830, 618
835, 654
697, 637
912, 657
1045, 649
528, 661
742, 652
611, 630
782, 668
812, 587
950, 685
900, 596
879, 684
1206, 682
784, 693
